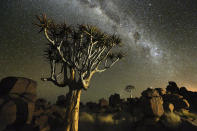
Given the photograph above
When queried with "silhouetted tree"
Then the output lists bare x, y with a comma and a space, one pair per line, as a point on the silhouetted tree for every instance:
81, 52
129, 89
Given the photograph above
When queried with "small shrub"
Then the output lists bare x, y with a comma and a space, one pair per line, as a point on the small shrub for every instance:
187, 114
108, 119
86, 117
171, 120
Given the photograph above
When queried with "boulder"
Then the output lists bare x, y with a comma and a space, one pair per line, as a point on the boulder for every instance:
7, 114
59, 111
18, 86
191, 97
149, 93
171, 107
56, 117
156, 104
183, 90
38, 112
41, 122
41, 103
17, 101
168, 107
172, 87
177, 100
103, 103
49, 118
114, 100
152, 103
161, 91
185, 103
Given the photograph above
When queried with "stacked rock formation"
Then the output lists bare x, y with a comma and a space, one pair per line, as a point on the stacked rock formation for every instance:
17, 98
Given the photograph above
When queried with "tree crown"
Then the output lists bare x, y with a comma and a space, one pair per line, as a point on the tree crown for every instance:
84, 49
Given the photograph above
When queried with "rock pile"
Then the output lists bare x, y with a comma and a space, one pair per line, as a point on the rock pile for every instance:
156, 108
48, 117
114, 100
17, 98
152, 103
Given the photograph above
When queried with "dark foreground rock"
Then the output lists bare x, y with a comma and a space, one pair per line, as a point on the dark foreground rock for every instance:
17, 98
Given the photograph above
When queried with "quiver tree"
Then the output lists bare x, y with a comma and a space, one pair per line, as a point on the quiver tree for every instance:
129, 89
80, 52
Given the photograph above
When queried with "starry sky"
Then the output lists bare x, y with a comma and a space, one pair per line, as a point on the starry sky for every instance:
165, 49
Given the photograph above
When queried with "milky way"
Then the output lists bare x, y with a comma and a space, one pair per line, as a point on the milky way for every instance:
159, 40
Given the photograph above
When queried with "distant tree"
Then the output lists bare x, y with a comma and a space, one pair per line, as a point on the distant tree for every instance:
129, 89
80, 52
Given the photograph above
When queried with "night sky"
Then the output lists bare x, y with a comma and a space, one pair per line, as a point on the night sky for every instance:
165, 50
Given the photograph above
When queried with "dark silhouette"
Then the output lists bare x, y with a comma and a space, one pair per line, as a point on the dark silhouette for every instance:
129, 89
172, 87
156, 109
114, 100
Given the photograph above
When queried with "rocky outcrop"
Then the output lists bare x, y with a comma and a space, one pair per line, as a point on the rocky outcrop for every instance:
161, 91
186, 99
41, 104
172, 87
114, 100
7, 113
149, 93
156, 109
152, 103
190, 96
177, 100
18, 87
168, 107
103, 103
50, 118
17, 101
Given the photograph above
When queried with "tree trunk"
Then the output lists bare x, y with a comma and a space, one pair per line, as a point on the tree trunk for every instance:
72, 109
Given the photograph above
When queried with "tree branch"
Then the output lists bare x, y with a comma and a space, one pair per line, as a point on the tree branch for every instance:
107, 67
54, 82
47, 36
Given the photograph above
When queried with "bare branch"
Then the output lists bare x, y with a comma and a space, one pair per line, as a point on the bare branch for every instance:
54, 82
47, 36
107, 67
62, 55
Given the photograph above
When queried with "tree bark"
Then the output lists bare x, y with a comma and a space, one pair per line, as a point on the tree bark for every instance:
72, 109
